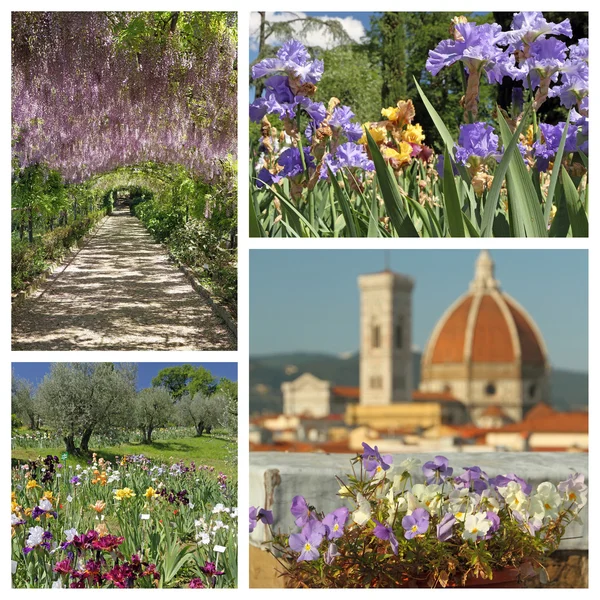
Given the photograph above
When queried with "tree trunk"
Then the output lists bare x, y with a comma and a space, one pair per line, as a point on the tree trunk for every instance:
30, 226
199, 429
174, 17
70, 444
148, 434
32, 422
208, 429
85, 439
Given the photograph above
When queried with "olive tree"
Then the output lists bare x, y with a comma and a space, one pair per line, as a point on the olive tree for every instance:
77, 399
24, 403
202, 411
153, 408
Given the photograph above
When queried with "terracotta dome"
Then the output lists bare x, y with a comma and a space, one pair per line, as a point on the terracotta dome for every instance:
487, 326
486, 350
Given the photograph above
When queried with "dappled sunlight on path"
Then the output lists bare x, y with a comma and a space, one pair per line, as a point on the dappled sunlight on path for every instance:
120, 292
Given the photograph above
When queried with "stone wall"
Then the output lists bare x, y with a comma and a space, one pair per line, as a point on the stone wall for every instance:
275, 478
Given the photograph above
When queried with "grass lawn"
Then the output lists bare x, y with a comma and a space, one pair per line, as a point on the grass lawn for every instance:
205, 450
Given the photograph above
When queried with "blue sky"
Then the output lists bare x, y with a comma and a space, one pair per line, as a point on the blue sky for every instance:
308, 300
35, 372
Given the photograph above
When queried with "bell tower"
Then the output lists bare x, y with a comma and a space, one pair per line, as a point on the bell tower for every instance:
385, 338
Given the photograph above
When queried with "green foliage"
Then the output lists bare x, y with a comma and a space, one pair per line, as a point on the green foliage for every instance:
153, 408
351, 77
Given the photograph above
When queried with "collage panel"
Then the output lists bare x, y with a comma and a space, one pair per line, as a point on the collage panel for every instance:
124, 475
418, 418
419, 124
124, 181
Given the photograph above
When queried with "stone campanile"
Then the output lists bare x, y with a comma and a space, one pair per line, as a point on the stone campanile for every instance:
385, 338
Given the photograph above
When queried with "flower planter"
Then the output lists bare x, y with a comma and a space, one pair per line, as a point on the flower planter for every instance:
504, 578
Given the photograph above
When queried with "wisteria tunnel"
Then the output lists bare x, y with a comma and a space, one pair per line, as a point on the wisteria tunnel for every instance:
124, 180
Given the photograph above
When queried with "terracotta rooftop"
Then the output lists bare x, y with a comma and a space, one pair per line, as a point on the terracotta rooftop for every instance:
345, 391
493, 410
419, 395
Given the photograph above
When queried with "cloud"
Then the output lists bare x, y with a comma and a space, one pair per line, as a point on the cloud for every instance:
322, 38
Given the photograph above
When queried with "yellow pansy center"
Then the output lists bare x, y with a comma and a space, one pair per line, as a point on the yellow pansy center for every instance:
307, 547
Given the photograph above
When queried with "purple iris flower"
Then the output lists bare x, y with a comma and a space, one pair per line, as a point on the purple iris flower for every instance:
292, 163
300, 510
439, 166
437, 470
307, 542
476, 139
75, 480
279, 85
473, 478
574, 83
335, 522
475, 45
547, 57
415, 523
372, 460
528, 26
354, 155
444, 527
331, 554
315, 110
341, 116
265, 177
353, 131
503, 480
383, 532
551, 134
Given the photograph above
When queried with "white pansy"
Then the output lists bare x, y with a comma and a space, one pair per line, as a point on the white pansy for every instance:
476, 525
362, 514
514, 496
429, 496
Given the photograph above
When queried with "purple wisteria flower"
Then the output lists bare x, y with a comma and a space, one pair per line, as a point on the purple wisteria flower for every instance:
335, 521
300, 510
437, 470
373, 462
384, 532
473, 478
260, 514
307, 542
546, 150
444, 527
528, 26
292, 163
415, 523
475, 45
476, 139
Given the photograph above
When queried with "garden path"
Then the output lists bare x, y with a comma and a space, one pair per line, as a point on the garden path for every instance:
119, 292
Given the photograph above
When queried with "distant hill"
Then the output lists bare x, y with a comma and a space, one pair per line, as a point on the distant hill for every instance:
569, 389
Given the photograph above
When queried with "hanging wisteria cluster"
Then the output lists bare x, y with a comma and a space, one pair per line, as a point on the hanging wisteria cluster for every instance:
85, 99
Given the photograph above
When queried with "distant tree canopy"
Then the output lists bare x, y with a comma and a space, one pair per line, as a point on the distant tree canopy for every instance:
185, 379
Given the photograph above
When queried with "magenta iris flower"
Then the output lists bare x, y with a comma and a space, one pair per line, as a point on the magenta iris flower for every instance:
437, 470
300, 510
383, 532
307, 542
415, 523
444, 527
335, 522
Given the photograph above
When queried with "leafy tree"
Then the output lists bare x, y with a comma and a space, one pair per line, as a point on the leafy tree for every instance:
229, 391
78, 398
24, 404
351, 77
153, 408
202, 411
185, 379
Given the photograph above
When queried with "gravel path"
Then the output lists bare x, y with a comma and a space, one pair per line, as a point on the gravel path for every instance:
120, 292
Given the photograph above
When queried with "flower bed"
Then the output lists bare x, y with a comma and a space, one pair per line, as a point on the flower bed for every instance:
128, 524
443, 532
322, 173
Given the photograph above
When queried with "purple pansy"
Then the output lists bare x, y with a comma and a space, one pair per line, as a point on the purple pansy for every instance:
476, 139
260, 514
331, 554
384, 532
300, 510
335, 521
372, 460
415, 523
473, 478
444, 527
503, 480
307, 542
495, 519
437, 470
